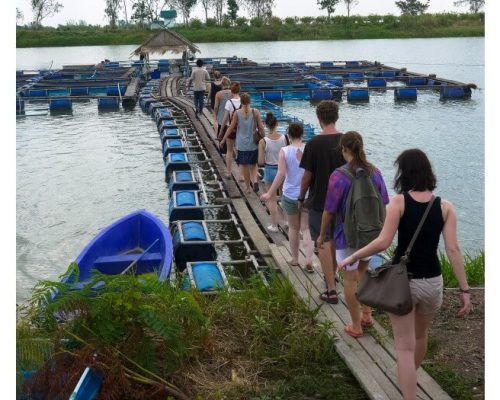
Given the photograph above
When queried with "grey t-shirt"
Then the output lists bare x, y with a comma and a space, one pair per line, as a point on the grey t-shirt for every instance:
200, 78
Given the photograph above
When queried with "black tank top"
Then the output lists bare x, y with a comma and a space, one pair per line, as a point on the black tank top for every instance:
213, 92
424, 261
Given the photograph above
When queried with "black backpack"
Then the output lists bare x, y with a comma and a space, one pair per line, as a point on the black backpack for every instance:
365, 210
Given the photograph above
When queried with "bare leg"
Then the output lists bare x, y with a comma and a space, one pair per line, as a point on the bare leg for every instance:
272, 206
367, 311
422, 325
403, 328
293, 236
229, 155
350, 287
246, 177
306, 237
326, 260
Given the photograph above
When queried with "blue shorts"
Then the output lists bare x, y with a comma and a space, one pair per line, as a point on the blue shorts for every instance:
270, 172
247, 157
289, 206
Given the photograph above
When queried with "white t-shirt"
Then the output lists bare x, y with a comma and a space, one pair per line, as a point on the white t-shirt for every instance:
229, 107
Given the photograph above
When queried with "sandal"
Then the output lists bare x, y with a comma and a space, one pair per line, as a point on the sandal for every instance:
309, 268
329, 296
292, 264
365, 322
348, 329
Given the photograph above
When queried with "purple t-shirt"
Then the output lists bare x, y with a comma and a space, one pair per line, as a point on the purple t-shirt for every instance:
339, 185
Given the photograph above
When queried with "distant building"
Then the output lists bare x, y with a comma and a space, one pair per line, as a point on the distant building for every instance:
168, 17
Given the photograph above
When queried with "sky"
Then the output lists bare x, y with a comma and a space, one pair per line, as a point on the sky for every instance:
92, 11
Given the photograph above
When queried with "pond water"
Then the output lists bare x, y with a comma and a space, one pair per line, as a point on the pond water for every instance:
77, 173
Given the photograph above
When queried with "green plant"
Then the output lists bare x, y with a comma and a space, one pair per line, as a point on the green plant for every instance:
474, 268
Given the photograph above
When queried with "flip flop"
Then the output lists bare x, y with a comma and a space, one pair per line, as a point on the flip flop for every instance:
292, 264
309, 268
348, 329
367, 323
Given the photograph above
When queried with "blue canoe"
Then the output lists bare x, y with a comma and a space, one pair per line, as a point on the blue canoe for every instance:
88, 386
124, 241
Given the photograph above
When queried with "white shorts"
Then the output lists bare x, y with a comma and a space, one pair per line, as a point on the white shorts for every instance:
344, 253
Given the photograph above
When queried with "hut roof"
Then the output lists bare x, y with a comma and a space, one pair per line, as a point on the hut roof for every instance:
163, 41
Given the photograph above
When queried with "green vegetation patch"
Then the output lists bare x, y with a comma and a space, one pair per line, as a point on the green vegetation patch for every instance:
151, 340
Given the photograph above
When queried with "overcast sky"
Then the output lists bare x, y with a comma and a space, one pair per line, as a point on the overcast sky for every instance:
92, 11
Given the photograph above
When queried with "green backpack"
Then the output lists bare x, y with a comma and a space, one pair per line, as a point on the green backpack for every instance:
365, 210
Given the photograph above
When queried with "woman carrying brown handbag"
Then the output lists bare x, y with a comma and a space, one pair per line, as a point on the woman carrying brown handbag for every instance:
414, 183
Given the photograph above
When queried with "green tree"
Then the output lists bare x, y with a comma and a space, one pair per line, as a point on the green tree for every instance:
19, 16
219, 9
42, 9
260, 8
349, 5
232, 10
412, 7
328, 5
207, 4
474, 5
185, 7
111, 11
139, 12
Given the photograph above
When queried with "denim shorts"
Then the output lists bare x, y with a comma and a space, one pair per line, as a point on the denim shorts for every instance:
270, 172
315, 226
247, 157
289, 206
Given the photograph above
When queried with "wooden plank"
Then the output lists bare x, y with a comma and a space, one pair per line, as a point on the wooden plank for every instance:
349, 350
258, 238
132, 88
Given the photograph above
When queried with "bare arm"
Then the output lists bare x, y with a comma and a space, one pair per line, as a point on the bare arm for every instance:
455, 254
225, 118
260, 126
305, 183
279, 178
395, 210
234, 121
216, 109
262, 152
326, 219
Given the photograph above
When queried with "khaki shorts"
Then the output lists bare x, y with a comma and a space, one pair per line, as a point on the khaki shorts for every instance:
427, 294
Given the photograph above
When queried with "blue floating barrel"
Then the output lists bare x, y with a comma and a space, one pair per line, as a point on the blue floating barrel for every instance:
433, 82
113, 90
312, 85
358, 95
60, 104
169, 133
317, 95
255, 96
173, 146
154, 105
176, 162
354, 75
163, 68
182, 180
455, 92
405, 94
388, 74
97, 91
162, 114
111, 103
163, 61
326, 64
377, 82
112, 64
57, 92
352, 64
185, 198
296, 95
417, 81
167, 124
273, 96
79, 91
207, 276
336, 82
138, 63
185, 205
184, 251
37, 93
155, 74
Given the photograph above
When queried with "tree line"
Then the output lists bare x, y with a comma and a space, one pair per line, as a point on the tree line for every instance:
217, 12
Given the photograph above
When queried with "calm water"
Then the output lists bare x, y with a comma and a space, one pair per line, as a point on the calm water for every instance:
77, 173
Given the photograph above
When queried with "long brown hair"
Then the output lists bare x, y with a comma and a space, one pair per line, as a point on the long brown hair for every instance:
353, 142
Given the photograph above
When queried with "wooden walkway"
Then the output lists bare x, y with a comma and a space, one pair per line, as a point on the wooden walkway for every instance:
370, 358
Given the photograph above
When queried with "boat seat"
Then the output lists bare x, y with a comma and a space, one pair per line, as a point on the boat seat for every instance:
117, 263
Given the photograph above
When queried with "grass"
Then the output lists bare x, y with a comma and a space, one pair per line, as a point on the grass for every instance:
151, 340
307, 28
474, 267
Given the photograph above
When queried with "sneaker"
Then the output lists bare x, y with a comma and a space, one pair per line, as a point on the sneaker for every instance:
272, 228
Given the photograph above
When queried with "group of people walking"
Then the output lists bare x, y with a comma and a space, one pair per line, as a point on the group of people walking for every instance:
315, 180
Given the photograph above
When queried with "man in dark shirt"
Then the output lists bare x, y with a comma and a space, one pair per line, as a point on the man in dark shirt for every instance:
322, 155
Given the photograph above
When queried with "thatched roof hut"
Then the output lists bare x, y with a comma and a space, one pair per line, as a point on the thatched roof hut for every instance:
163, 41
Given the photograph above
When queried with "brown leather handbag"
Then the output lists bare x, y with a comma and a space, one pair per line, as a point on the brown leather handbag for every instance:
387, 287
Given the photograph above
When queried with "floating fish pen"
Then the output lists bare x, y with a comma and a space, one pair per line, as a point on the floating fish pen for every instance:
201, 218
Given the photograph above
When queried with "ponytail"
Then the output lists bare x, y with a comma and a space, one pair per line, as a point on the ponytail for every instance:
353, 142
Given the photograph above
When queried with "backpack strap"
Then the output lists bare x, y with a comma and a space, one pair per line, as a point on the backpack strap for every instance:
287, 140
346, 172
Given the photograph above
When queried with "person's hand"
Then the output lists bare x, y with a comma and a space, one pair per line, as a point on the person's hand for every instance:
265, 197
320, 240
345, 262
465, 304
300, 205
221, 143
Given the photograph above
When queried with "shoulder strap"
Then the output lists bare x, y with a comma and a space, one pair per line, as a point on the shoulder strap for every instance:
346, 172
287, 140
419, 227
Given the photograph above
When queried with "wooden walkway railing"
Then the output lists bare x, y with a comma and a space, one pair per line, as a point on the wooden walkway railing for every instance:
370, 358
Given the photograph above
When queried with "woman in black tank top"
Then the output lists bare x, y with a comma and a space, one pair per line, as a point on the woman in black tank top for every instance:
414, 184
